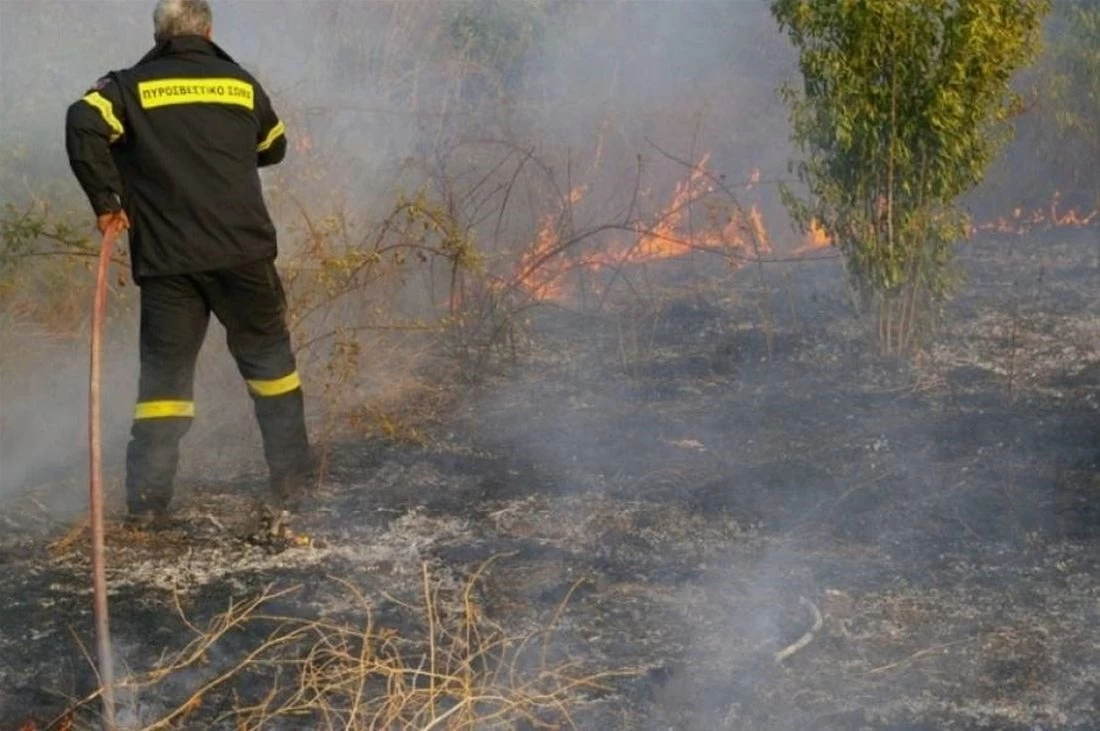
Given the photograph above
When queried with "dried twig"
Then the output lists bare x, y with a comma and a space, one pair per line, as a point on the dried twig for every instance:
360, 676
918, 655
803, 641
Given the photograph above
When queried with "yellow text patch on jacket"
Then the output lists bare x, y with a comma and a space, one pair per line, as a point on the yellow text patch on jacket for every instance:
166, 92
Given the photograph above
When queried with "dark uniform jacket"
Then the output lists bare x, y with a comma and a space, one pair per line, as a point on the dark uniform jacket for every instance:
176, 141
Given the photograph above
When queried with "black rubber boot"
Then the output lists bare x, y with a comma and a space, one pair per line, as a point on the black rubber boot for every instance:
292, 488
147, 521
152, 457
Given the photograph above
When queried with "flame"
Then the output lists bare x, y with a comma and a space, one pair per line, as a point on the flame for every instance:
674, 234
541, 270
667, 239
1020, 223
814, 240
661, 241
538, 278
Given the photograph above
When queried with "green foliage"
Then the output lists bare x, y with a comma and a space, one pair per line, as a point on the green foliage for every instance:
32, 230
496, 35
904, 103
1070, 103
47, 271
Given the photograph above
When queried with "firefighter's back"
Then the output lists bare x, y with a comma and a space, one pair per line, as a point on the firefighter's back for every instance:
196, 128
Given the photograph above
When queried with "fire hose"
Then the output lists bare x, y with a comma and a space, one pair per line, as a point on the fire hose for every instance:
95, 484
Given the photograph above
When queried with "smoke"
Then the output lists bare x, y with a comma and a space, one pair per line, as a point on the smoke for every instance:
537, 99
382, 96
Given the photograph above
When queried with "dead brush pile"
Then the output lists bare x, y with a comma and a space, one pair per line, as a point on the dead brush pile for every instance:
458, 669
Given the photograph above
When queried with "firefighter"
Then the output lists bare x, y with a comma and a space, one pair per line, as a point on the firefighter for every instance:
169, 149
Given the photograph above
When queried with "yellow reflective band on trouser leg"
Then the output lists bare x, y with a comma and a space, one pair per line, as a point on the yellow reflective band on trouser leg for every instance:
275, 386
164, 409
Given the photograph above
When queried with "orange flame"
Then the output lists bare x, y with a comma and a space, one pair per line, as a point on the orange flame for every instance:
814, 240
537, 276
541, 270
1019, 223
543, 267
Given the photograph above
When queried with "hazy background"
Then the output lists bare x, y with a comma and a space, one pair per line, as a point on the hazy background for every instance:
382, 98
494, 111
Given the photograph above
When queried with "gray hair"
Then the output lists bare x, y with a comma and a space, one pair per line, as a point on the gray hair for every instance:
180, 18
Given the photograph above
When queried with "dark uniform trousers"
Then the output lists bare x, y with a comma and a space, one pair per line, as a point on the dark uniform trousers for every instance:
175, 311
177, 141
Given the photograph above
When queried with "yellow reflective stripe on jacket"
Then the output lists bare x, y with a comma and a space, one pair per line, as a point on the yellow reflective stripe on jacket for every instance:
273, 135
164, 409
275, 386
166, 92
107, 111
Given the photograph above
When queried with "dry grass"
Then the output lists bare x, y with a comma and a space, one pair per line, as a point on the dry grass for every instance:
465, 671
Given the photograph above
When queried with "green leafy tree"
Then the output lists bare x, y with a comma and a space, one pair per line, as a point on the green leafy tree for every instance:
495, 36
903, 105
1070, 106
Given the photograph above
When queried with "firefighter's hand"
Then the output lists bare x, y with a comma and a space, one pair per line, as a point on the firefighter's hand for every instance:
117, 220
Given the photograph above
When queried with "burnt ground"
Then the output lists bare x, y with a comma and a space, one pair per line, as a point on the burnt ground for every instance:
697, 478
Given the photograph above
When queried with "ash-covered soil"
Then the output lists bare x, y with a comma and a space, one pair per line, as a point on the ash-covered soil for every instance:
708, 474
